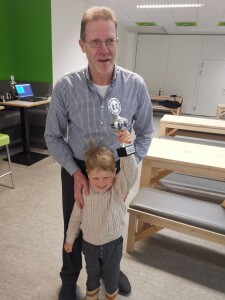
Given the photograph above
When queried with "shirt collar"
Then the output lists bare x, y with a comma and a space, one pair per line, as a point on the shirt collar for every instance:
88, 78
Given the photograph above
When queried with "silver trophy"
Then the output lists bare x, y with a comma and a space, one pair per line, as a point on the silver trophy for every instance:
119, 124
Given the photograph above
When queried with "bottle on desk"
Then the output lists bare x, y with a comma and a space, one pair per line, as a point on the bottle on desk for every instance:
160, 91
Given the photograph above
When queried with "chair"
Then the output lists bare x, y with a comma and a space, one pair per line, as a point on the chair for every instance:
4, 141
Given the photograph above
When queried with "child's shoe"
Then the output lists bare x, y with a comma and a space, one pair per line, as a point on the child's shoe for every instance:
91, 295
111, 296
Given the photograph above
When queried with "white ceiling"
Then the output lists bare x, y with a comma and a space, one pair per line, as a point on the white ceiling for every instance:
207, 17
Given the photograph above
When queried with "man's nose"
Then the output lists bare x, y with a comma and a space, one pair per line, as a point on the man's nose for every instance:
104, 46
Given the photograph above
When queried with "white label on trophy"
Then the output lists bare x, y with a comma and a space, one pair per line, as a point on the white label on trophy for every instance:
130, 149
114, 106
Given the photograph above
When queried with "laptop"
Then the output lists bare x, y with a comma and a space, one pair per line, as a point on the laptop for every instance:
25, 93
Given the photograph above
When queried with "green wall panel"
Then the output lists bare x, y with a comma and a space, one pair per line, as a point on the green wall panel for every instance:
5, 47
27, 38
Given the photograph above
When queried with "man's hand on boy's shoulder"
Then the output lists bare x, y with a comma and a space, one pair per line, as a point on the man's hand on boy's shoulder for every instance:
80, 185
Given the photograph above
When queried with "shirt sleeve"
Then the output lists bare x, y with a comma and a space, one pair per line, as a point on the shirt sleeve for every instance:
56, 129
143, 123
74, 224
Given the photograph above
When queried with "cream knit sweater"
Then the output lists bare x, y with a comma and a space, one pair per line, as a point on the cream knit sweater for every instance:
102, 217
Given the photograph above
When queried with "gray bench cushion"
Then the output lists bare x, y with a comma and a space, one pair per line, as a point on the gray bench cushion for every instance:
9, 118
195, 187
201, 214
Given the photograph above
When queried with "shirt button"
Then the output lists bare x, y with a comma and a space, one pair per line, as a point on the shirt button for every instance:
100, 138
102, 106
101, 122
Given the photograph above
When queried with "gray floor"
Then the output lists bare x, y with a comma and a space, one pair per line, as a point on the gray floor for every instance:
167, 266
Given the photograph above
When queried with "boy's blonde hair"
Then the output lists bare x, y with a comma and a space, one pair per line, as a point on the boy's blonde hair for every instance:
95, 13
100, 158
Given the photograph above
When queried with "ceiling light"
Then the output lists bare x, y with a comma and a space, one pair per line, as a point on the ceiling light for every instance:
185, 5
186, 24
146, 24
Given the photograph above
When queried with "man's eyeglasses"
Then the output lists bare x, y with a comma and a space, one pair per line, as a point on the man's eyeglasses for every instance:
110, 43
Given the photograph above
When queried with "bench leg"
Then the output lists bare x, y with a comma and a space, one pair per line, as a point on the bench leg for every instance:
131, 233
138, 230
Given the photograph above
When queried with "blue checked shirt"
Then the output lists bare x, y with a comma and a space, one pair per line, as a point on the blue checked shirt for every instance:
78, 112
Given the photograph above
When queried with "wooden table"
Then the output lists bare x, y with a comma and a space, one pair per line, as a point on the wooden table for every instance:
220, 110
192, 126
26, 157
157, 107
167, 155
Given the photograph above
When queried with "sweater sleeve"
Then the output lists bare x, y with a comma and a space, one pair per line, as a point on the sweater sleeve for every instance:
74, 224
127, 176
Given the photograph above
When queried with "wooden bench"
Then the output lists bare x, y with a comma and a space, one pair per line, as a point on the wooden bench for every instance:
192, 126
159, 209
157, 107
220, 110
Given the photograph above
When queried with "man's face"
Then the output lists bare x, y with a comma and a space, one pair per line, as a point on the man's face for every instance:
101, 60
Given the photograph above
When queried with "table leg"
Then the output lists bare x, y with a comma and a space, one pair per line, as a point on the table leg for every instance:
146, 172
25, 129
166, 131
26, 157
162, 129
151, 175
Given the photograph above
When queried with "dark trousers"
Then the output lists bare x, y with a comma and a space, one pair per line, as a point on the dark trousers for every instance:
72, 262
103, 261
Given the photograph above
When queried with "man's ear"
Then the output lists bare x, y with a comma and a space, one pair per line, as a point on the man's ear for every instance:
114, 173
82, 46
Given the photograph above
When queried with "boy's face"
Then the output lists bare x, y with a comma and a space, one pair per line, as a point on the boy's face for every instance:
101, 180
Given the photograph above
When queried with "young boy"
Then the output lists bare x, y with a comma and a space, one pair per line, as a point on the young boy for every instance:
102, 217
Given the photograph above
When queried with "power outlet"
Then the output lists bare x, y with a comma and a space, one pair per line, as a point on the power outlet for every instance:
223, 91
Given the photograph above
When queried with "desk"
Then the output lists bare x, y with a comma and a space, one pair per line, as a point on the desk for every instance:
26, 157
192, 126
220, 110
165, 156
157, 107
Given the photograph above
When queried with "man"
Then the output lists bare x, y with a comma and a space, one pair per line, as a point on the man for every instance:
84, 103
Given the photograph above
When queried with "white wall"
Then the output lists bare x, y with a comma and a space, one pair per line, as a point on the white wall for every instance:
131, 51
173, 63
122, 47
66, 52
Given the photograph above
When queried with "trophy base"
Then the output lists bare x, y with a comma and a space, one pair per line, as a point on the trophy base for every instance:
125, 151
